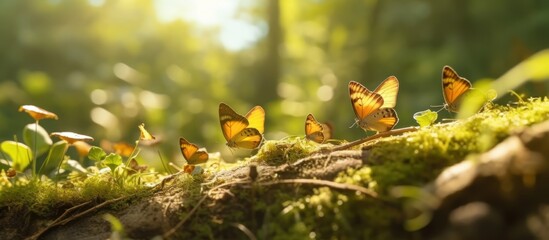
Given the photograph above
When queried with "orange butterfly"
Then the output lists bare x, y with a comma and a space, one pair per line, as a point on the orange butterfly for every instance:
191, 153
388, 89
315, 131
239, 131
123, 149
369, 106
453, 88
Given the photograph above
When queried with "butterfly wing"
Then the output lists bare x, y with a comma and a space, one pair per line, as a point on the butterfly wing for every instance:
231, 122
188, 168
453, 87
256, 118
363, 100
123, 149
191, 153
381, 120
327, 130
249, 138
388, 89
314, 129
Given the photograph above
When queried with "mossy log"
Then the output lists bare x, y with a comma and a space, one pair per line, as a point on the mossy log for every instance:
486, 172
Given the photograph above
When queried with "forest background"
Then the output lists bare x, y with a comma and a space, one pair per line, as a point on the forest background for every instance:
106, 66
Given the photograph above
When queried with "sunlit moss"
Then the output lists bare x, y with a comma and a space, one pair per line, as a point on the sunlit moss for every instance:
295, 211
417, 157
286, 150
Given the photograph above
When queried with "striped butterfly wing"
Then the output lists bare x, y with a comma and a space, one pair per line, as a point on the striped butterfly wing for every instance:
327, 130
191, 153
388, 89
453, 87
256, 118
364, 101
248, 138
314, 130
381, 120
231, 122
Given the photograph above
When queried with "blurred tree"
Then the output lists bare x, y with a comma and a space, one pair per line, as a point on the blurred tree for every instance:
105, 68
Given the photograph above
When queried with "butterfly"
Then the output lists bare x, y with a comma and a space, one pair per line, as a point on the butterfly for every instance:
134, 167
453, 88
369, 107
123, 149
239, 131
191, 153
388, 89
144, 134
315, 131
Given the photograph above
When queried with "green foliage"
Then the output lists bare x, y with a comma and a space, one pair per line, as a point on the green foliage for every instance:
55, 157
112, 161
92, 63
35, 131
19, 154
425, 118
116, 227
97, 154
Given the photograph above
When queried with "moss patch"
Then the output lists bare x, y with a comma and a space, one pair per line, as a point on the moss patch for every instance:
291, 211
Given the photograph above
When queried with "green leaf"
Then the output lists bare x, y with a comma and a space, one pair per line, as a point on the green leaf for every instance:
96, 154
19, 154
425, 118
55, 156
112, 161
43, 140
73, 165
116, 226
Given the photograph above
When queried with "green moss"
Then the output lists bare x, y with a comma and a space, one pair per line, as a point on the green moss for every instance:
45, 197
417, 157
414, 158
290, 211
287, 150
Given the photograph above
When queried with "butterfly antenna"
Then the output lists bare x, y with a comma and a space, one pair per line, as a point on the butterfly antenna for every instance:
442, 107
174, 166
355, 123
231, 150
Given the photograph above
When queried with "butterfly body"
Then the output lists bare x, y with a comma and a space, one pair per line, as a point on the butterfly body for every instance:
191, 152
316, 131
381, 120
374, 110
239, 131
454, 88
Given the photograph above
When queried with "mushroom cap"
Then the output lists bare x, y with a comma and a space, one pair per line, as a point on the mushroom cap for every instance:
37, 113
71, 137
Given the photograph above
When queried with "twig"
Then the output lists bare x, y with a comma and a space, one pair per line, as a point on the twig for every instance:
69, 211
331, 184
58, 221
370, 138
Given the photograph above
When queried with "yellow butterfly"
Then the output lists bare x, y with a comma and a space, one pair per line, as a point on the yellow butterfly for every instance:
367, 106
453, 88
145, 135
239, 131
388, 89
191, 153
315, 131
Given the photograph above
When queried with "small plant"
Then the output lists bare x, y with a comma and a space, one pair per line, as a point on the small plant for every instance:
37, 114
